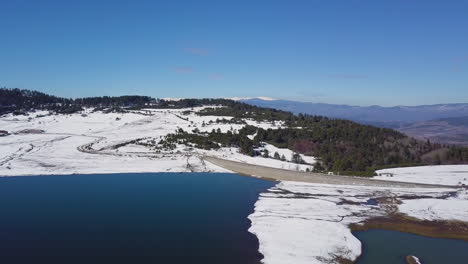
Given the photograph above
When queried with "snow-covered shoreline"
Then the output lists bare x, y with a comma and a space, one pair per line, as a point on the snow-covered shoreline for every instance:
310, 223
439, 174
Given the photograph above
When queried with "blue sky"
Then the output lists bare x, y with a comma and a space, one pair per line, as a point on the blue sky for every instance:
405, 52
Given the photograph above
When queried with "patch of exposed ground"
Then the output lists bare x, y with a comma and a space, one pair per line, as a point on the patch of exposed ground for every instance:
402, 223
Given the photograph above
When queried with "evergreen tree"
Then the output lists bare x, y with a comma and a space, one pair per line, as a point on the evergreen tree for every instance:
296, 158
276, 155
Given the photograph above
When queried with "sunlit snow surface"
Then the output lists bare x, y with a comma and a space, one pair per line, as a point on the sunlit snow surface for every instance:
441, 174
56, 150
308, 223
451, 208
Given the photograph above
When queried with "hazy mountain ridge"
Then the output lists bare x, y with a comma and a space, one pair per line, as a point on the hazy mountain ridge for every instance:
369, 114
442, 123
456, 121
452, 130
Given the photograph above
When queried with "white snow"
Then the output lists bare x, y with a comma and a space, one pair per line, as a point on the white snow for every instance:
452, 208
264, 98
416, 259
440, 174
308, 223
56, 150
234, 155
287, 153
435, 209
172, 99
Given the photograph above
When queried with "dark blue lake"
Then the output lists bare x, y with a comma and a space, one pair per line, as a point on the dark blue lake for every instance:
391, 247
129, 218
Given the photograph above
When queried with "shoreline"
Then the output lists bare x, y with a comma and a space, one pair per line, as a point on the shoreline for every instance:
159, 193
395, 222
278, 204
398, 222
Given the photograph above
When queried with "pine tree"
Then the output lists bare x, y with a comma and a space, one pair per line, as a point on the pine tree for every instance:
283, 158
296, 158
276, 155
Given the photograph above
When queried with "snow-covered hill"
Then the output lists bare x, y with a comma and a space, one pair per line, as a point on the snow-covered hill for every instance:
97, 142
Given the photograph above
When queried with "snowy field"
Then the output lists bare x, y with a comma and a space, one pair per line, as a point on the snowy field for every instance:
96, 142
441, 174
308, 223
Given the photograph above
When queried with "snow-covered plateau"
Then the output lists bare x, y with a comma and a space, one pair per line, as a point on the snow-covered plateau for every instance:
295, 222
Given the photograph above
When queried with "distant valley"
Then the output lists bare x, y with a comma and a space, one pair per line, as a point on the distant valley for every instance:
445, 130
442, 123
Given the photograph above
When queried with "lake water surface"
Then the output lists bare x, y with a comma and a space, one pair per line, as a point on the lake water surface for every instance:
161, 218
391, 247
129, 218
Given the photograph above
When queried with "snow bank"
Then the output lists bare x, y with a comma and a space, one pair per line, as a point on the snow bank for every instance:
435, 209
234, 155
452, 208
287, 153
441, 174
308, 223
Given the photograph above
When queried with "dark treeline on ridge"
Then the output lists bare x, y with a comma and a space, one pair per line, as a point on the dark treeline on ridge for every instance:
342, 146
20, 100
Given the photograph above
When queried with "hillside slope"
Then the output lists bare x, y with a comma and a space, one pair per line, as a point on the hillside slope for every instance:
444, 123
341, 146
445, 130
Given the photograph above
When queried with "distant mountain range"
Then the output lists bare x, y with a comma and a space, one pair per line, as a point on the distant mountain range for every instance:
444, 123
452, 130
369, 114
